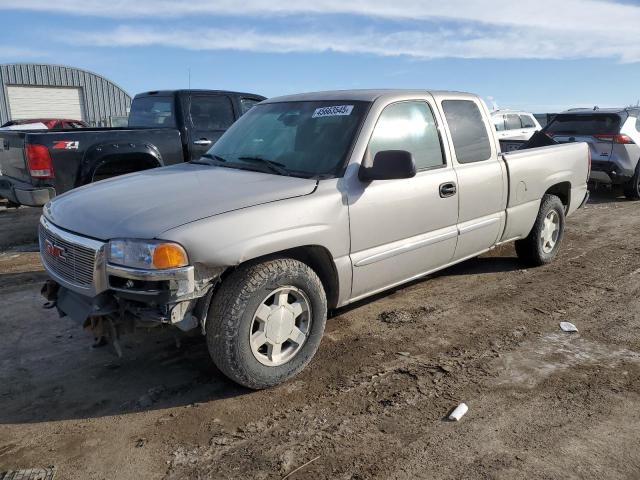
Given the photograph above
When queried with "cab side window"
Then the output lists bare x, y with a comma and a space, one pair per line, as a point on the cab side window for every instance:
408, 126
468, 131
211, 112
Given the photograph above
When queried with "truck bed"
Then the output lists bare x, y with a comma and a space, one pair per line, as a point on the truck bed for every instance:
530, 171
76, 155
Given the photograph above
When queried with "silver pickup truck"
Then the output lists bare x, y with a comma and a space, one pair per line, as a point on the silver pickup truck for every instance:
309, 202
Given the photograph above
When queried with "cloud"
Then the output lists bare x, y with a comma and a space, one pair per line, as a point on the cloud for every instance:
9, 52
544, 29
583, 15
483, 42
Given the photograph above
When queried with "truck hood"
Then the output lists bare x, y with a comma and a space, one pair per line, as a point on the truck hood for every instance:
148, 203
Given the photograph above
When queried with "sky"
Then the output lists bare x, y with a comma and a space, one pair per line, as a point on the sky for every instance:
540, 56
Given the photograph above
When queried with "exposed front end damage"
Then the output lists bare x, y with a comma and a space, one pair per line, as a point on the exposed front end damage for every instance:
111, 300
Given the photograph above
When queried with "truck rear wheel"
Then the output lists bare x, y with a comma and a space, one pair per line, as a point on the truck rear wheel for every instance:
543, 242
266, 321
632, 189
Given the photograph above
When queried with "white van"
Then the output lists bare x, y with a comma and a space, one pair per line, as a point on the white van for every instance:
513, 125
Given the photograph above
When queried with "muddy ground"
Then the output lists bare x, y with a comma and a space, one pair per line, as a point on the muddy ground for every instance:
542, 403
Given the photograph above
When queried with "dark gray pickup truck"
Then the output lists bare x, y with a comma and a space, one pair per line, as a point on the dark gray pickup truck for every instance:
165, 128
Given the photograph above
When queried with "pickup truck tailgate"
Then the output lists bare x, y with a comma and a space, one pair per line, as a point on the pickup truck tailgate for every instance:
12, 161
16, 181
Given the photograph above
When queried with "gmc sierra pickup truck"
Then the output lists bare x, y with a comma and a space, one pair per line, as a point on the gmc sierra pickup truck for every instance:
307, 203
165, 127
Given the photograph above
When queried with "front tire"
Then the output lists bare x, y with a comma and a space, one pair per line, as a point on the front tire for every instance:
266, 322
543, 242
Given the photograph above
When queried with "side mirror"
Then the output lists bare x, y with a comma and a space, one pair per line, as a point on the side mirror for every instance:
389, 165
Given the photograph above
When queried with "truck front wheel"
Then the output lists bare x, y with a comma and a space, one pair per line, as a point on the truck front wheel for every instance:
543, 242
266, 321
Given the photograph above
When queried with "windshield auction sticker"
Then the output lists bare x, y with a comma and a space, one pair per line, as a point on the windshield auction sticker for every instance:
333, 111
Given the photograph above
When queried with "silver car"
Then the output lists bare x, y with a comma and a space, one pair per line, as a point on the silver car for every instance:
614, 139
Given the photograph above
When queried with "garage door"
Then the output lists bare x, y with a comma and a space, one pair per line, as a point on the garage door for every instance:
45, 102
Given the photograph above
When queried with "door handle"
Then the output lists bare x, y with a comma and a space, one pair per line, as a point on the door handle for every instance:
202, 142
448, 189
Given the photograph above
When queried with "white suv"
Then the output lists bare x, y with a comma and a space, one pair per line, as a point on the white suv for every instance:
513, 125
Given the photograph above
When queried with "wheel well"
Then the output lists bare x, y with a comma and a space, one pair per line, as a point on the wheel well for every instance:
562, 191
318, 258
321, 261
123, 164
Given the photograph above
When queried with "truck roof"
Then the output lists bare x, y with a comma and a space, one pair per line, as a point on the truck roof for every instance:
186, 90
368, 95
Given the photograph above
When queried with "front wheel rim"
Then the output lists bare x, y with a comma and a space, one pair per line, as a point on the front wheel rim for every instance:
280, 326
550, 231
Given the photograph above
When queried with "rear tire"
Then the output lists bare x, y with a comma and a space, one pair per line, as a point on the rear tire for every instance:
257, 308
543, 242
632, 189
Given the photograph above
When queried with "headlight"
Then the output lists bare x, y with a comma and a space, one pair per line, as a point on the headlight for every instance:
148, 254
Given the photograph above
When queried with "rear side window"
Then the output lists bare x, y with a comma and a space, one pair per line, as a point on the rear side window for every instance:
152, 112
408, 126
247, 104
527, 121
638, 124
513, 122
589, 124
468, 132
211, 112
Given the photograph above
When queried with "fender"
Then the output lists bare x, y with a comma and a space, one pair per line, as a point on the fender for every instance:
124, 152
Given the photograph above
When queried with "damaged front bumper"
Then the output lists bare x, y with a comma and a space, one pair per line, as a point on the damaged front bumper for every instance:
85, 286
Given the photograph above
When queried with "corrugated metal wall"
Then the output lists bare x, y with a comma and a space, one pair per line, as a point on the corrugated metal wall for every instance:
102, 99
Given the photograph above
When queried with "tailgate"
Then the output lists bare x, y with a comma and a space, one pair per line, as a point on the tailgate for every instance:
595, 128
601, 148
12, 161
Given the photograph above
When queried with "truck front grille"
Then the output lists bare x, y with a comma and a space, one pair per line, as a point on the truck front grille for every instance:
70, 261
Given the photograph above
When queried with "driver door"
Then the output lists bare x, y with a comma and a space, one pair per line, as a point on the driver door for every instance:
210, 117
401, 229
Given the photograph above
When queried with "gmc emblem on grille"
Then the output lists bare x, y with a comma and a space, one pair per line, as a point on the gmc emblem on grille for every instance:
55, 250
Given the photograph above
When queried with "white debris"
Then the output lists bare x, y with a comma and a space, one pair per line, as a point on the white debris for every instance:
568, 327
459, 412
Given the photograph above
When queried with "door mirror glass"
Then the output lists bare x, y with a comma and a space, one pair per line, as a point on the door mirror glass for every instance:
389, 165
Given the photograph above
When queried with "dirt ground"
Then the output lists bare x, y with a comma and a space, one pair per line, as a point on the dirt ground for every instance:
543, 404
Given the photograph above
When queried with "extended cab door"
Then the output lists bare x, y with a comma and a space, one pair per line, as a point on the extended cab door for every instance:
482, 179
401, 229
209, 117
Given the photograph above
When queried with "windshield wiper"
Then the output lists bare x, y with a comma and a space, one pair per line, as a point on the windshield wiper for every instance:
217, 158
275, 167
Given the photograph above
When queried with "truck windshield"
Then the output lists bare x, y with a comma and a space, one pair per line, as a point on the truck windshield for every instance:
596, 124
309, 139
152, 112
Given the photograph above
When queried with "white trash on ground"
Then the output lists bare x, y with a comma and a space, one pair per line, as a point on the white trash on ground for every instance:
459, 412
568, 327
